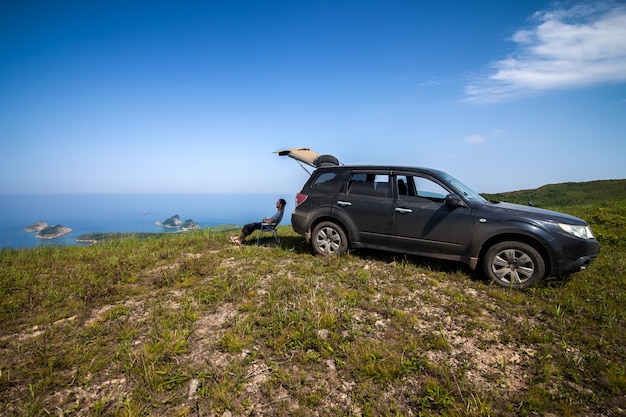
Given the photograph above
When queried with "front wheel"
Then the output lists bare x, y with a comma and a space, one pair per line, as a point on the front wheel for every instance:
514, 264
329, 239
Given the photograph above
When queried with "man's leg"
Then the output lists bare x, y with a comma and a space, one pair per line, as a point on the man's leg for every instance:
246, 230
249, 228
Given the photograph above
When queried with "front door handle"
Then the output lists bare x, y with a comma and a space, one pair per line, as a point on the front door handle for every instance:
344, 203
403, 210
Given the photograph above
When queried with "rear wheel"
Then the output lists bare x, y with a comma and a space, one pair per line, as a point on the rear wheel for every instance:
329, 238
514, 264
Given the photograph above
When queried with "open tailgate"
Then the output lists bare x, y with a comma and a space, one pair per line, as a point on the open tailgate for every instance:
309, 157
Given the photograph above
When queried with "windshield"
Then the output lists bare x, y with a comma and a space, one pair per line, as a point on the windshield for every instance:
463, 189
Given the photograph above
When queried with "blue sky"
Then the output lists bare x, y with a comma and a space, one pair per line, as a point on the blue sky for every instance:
194, 97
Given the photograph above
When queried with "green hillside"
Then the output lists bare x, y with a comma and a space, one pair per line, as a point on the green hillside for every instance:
566, 194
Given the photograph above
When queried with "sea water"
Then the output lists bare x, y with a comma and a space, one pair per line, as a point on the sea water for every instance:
123, 213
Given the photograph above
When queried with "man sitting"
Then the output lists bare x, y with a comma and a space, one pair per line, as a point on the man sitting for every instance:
251, 227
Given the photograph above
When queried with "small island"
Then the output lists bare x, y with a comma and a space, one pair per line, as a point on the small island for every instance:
37, 227
43, 231
175, 222
190, 225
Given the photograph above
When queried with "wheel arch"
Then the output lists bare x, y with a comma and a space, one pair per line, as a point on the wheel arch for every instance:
529, 240
338, 222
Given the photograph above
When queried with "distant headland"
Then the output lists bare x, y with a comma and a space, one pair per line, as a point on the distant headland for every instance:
43, 231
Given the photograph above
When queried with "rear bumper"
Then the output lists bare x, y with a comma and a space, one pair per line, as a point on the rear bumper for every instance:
300, 226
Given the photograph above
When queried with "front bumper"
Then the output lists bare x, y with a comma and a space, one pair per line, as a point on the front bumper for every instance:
577, 260
579, 264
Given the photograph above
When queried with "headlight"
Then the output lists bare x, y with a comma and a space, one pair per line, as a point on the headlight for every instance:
583, 232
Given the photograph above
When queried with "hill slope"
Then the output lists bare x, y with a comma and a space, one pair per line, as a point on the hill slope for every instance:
566, 194
189, 324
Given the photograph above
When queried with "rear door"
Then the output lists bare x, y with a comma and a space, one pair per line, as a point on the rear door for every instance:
367, 201
423, 223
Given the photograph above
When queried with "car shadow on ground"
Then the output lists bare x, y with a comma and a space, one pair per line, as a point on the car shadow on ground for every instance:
431, 264
298, 245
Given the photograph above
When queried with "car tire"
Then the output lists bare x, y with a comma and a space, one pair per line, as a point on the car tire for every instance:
328, 238
514, 264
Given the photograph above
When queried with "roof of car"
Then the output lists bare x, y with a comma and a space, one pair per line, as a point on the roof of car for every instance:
394, 168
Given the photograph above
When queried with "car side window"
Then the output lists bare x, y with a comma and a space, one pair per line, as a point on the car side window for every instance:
405, 187
414, 188
426, 188
375, 185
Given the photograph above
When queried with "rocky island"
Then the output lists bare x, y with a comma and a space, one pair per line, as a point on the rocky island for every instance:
48, 232
37, 227
175, 222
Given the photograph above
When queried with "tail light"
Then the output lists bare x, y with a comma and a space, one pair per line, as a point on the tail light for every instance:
300, 198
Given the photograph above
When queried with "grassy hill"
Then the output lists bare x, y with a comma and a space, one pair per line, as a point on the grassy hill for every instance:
567, 194
190, 324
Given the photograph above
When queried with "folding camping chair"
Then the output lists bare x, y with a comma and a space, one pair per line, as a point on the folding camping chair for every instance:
265, 227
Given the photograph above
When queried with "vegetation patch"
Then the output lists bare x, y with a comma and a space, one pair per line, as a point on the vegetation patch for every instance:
189, 324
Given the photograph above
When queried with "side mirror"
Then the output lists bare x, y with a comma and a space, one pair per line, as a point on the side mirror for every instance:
454, 201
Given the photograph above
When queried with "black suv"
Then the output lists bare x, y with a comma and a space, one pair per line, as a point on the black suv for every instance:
427, 212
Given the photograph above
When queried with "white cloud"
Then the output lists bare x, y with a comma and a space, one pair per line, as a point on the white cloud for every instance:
574, 47
474, 139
